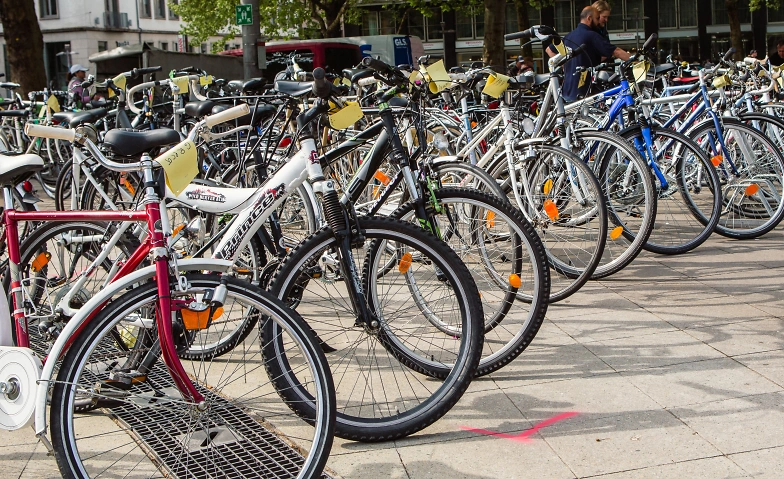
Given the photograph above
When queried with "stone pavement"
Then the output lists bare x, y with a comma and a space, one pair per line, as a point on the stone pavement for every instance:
672, 368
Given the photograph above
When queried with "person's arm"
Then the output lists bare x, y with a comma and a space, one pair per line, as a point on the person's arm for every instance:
621, 54
550, 51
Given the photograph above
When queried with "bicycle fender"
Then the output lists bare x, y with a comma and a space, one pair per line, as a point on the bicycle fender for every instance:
191, 264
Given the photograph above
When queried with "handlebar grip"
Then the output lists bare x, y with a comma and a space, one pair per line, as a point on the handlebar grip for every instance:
42, 131
366, 81
729, 54
515, 36
578, 50
137, 72
376, 65
227, 115
321, 87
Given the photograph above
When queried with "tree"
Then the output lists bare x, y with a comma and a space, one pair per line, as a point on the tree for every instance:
24, 44
523, 22
303, 18
733, 16
495, 14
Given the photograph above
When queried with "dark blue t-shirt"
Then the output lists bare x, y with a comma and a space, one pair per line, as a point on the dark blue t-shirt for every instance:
596, 47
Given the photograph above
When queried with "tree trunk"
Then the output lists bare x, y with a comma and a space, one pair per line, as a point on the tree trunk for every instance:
493, 55
523, 23
333, 10
734, 19
24, 44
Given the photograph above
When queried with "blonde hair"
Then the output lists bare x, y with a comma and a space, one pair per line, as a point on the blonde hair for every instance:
601, 6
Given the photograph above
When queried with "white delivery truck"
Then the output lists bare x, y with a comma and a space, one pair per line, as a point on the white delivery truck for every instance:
391, 49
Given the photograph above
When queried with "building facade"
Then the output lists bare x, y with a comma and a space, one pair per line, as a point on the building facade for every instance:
75, 29
692, 30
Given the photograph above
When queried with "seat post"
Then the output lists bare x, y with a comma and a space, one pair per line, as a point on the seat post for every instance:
8, 198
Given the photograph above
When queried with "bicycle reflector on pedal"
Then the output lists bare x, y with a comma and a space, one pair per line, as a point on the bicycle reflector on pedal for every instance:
195, 320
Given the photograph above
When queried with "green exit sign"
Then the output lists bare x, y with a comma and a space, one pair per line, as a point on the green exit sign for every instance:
244, 14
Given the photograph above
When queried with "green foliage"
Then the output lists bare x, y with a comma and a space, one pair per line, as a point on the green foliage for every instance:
757, 4
202, 19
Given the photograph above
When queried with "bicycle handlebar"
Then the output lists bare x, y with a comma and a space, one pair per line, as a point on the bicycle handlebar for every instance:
227, 115
321, 87
33, 130
137, 72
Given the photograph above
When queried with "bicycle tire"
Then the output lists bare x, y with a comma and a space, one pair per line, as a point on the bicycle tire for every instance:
761, 165
632, 210
500, 247
198, 442
574, 246
454, 361
688, 210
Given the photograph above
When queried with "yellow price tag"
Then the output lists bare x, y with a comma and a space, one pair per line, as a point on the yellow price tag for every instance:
119, 81
439, 78
583, 76
205, 80
182, 84
52, 103
722, 81
496, 85
181, 166
346, 116
640, 70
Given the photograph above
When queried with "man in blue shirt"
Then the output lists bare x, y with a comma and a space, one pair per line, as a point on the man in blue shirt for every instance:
597, 48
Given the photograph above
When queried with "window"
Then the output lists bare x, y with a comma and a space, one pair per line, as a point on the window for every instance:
416, 24
370, 24
160, 9
48, 9
164, 45
176, 46
677, 13
203, 48
720, 12
435, 29
463, 24
172, 15
145, 8
511, 18
564, 17
103, 46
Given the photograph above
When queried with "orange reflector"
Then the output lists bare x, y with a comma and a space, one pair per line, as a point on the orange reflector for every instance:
177, 229
616, 232
515, 281
490, 219
473, 124
716, 160
382, 177
751, 189
194, 320
40, 261
551, 209
547, 187
128, 186
405, 263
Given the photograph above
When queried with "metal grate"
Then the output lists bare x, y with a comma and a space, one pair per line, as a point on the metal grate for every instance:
231, 443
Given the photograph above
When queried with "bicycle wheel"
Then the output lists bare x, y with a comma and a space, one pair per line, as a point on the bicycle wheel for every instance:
561, 198
63, 187
507, 261
429, 325
52, 260
137, 423
466, 175
688, 210
630, 193
751, 171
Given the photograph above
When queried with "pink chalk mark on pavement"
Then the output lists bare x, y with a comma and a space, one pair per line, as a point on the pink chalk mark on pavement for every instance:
525, 435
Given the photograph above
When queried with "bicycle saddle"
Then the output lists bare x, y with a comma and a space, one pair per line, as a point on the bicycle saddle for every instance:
76, 118
254, 85
664, 68
293, 88
14, 113
17, 168
126, 142
356, 74
258, 114
541, 78
199, 108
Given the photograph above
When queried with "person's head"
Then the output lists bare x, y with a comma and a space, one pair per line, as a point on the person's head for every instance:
780, 48
78, 71
603, 11
588, 17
